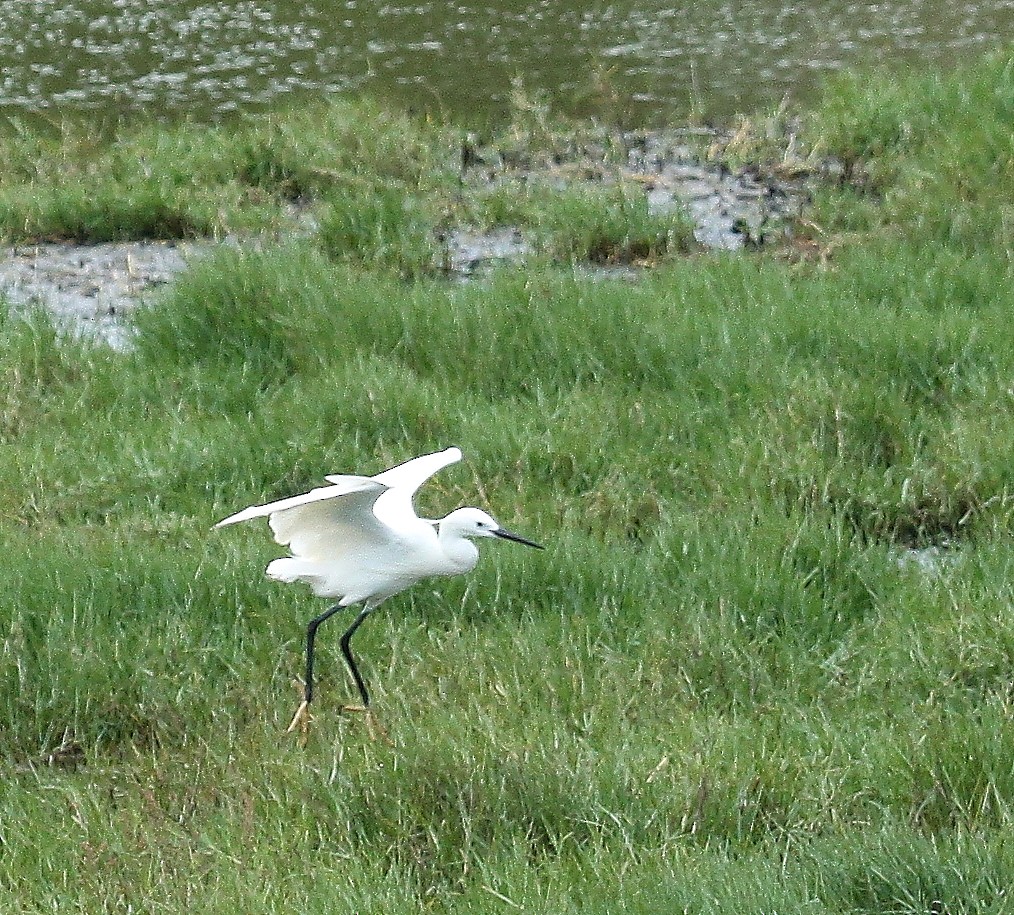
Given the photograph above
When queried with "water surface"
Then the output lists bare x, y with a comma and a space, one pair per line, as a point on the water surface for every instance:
646, 60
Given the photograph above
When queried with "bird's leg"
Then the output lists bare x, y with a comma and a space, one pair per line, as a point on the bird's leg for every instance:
302, 718
373, 727
351, 631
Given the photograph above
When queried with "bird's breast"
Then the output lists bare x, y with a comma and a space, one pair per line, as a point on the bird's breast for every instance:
460, 556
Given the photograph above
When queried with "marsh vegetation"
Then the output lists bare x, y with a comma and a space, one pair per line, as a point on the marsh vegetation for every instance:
724, 687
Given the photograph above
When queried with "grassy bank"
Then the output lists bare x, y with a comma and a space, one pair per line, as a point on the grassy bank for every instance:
765, 662
368, 187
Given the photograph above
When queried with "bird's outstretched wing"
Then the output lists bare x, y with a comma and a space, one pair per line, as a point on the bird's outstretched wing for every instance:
330, 528
325, 522
394, 507
412, 474
346, 486
354, 513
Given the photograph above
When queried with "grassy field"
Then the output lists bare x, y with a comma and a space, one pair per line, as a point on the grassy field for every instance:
765, 664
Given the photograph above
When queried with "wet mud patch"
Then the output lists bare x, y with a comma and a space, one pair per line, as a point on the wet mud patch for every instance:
729, 209
468, 251
92, 288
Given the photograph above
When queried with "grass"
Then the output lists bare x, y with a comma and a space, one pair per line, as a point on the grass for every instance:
381, 198
727, 686
607, 224
195, 180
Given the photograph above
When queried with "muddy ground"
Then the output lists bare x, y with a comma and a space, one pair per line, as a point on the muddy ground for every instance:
93, 288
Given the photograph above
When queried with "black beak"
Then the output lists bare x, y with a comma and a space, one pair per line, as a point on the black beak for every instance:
507, 535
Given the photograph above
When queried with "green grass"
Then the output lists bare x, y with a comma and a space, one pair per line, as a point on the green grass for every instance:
607, 224
724, 687
195, 180
937, 150
371, 188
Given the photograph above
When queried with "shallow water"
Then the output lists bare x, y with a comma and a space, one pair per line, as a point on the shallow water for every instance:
648, 61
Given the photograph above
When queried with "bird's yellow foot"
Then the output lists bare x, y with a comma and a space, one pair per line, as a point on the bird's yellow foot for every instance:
301, 720
373, 727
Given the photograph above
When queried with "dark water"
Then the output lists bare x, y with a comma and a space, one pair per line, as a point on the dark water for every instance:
647, 61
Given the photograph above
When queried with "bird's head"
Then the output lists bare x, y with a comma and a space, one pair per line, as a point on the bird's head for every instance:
474, 522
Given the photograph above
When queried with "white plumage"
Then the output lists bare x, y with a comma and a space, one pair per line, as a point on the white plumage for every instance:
359, 540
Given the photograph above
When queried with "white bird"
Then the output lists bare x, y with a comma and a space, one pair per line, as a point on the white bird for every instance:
360, 540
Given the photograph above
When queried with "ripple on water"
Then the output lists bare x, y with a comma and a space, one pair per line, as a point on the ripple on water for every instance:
86, 55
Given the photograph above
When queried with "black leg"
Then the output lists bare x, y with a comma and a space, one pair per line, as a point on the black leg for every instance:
366, 611
311, 634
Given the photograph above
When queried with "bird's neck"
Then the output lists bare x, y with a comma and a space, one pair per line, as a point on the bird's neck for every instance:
461, 553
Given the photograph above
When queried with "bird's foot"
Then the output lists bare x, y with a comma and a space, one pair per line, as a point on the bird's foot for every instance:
373, 727
301, 721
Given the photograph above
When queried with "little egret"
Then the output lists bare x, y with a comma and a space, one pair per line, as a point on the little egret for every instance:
360, 540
